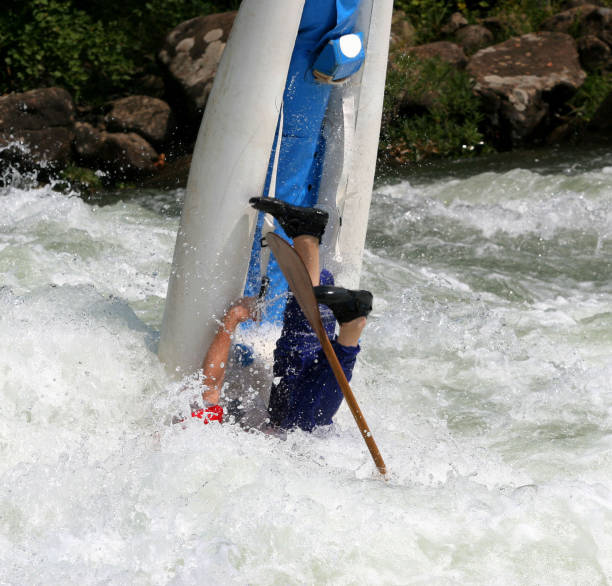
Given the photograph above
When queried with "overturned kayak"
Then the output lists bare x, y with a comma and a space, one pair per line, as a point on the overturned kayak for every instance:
230, 164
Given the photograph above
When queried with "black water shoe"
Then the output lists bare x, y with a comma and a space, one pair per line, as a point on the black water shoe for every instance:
294, 220
345, 304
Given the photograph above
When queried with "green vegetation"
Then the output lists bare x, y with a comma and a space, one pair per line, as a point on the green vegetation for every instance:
99, 50
519, 17
427, 16
430, 109
589, 97
93, 48
57, 45
516, 17
81, 179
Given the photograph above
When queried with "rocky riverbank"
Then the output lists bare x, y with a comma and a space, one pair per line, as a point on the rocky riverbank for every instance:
134, 139
488, 92
468, 91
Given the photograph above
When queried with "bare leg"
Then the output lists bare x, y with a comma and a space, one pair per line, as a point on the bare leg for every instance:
350, 331
307, 248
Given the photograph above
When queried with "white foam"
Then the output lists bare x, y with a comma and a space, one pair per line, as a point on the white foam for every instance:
484, 376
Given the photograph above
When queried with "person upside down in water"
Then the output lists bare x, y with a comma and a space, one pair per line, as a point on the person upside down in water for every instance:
305, 393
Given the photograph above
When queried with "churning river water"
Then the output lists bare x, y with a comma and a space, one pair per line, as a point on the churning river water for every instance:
485, 375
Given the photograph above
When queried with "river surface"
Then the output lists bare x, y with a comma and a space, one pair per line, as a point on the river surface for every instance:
485, 376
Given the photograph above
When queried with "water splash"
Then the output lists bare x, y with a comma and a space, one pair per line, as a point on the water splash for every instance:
484, 376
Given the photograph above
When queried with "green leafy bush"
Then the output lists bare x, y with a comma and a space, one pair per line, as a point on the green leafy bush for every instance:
54, 44
81, 179
427, 16
589, 97
92, 48
148, 22
430, 109
519, 17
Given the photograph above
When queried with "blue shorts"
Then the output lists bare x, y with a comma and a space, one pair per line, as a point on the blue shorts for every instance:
307, 394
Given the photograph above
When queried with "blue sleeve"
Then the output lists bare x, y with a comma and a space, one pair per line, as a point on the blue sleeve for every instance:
346, 18
330, 61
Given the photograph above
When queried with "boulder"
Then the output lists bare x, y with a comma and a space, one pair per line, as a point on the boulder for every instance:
49, 146
121, 155
455, 22
474, 37
594, 53
190, 57
172, 175
524, 80
125, 156
444, 50
149, 117
586, 19
42, 120
87, 143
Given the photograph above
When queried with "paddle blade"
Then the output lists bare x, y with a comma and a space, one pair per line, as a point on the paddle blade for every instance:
298, 278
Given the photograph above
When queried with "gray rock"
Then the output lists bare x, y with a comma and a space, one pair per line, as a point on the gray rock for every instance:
594, 53
37, 109
149, 117
525, 79
474, 37
121, 155
190, 57
449, 52
87, 142
125, 156
586, 19
173, 174
42, 120
455, 22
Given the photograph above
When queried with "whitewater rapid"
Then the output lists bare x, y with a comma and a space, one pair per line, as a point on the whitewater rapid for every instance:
485, 376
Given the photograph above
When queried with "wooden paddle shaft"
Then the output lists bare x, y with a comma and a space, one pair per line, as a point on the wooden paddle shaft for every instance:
299, 281
352, 403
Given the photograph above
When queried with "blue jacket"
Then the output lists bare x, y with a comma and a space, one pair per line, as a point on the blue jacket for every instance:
315, 31
346, 17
